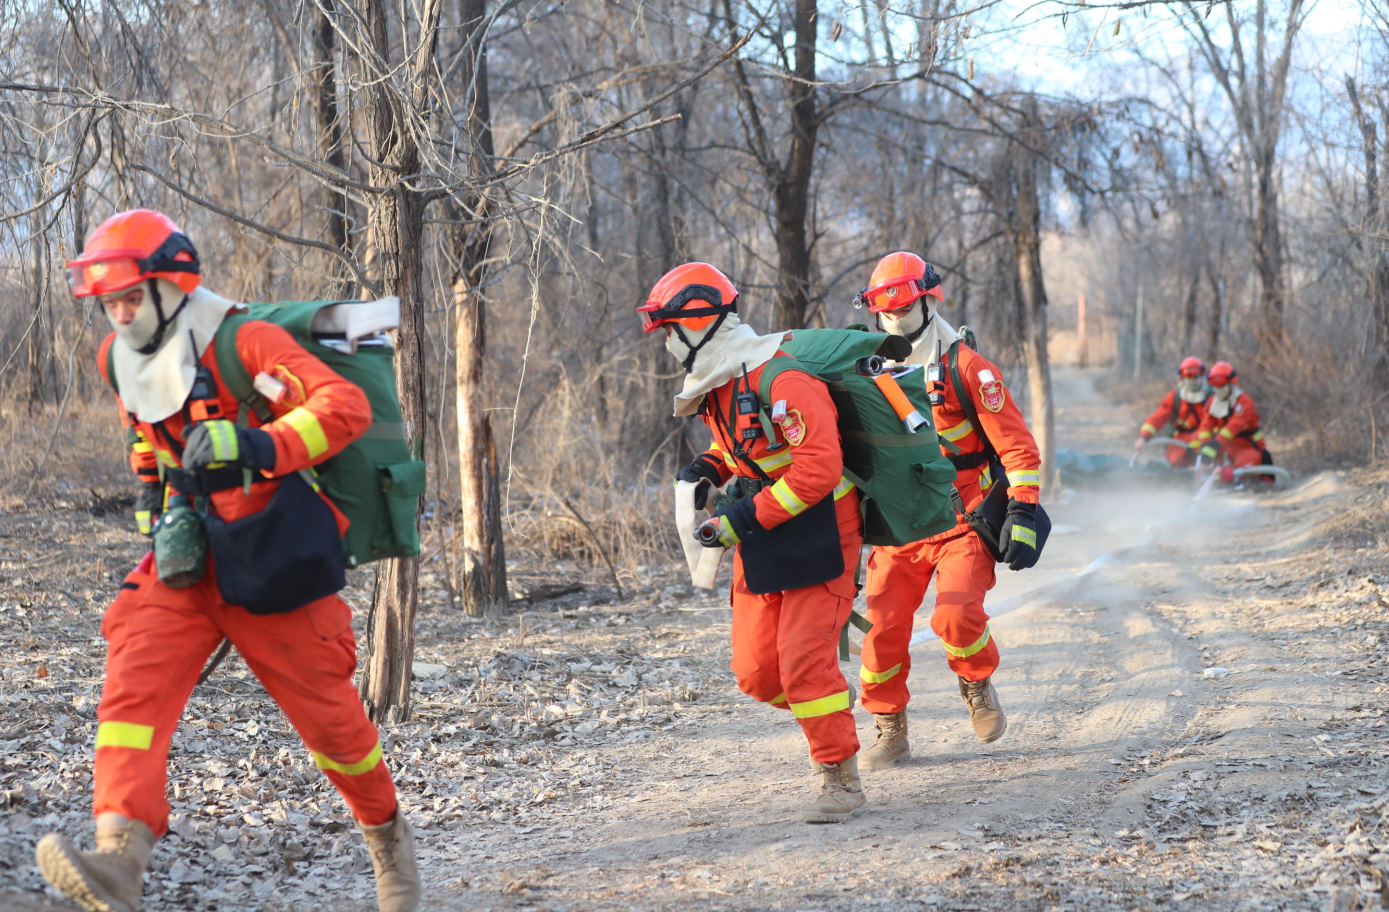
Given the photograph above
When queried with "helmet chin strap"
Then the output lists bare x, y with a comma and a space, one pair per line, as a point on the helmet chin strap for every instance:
157, 299
688, 361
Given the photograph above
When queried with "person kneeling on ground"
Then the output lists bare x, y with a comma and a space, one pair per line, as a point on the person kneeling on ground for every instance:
1185, 408
796, 526
1230, 430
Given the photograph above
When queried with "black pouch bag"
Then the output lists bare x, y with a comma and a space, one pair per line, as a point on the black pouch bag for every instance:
803, 551
988, 516
283, 557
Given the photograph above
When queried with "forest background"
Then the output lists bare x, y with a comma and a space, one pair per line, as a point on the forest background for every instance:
1205, 176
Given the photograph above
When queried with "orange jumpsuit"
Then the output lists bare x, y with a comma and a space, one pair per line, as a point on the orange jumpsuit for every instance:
785, 643
1185, 418
159, 638
961, 562
1237, 433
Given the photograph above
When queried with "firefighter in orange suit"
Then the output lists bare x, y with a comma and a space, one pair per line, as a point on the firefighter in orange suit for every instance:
1231, 426
146, 273
796, 528
902, 292
1184, 408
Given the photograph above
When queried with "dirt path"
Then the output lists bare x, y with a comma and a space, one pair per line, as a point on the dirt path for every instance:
1199, 724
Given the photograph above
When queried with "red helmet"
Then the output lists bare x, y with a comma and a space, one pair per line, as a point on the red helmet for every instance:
1222, 373
898, 280
129, 248
1191, 367
693, 295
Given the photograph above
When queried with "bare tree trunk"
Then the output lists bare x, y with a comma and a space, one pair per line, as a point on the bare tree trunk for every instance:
1027, 253
1268, 255
396, 220
792, 191
1379, 269
1217, 317
330, 133
1189, 313
484, 555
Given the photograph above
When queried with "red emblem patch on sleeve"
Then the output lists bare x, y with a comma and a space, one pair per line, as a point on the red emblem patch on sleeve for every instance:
991, 394
793, 427
294, 395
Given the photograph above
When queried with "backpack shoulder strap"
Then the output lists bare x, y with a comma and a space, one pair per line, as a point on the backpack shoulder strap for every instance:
106, 362
967, 401
233, 369
770, 371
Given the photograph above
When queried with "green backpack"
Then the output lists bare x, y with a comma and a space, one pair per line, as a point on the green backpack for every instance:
905, 483
375, 481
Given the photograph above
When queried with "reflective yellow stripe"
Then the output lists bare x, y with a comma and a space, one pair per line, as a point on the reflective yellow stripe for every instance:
844, 487
365, 765
1258, 435
1204, 435
1227, 433
779, 698
775, 461
788, 499
142, 521
166, 458
1024, 478
142, 446
986, 479
125, 734
957, 432
305, 424
1193, 444
822, 707
878, 677
1025, 535
969, 650
1148, 428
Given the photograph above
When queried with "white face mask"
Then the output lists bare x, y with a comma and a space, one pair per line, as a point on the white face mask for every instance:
913, 318
138, 332
1222, 393
1193, 389
677, 347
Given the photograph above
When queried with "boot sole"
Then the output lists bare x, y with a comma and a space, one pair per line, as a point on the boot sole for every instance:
812, 817
1001, 732
870, 765
60, 865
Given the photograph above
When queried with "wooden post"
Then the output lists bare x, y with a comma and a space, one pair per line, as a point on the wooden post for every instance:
1083, 355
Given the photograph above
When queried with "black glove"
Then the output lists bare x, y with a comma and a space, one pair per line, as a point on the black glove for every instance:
700, 471
216, 454
1018, 538
148, 506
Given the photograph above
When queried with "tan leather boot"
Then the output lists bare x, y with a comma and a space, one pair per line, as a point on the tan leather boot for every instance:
107, 880
984, 709
841, 793
392, 848
891, 745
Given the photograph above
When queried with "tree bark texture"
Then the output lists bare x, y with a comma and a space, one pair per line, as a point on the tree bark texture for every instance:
1027, 254
396, 222
1373, 230
330, 132
792, 190
484, 554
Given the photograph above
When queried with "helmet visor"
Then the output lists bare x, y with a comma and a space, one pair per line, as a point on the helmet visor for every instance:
896, 294
98, 277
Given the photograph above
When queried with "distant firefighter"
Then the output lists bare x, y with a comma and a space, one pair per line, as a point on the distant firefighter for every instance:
1230, 429
1184, 408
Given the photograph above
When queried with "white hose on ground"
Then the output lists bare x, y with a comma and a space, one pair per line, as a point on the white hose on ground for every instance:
1156, 441
1049, 590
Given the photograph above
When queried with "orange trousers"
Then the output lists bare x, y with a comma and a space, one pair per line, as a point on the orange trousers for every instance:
897, 581
1178, 456
785, 647
158, 640
1241, 453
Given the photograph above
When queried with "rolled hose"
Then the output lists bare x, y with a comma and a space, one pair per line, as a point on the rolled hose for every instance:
1280, 475
1156, 441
